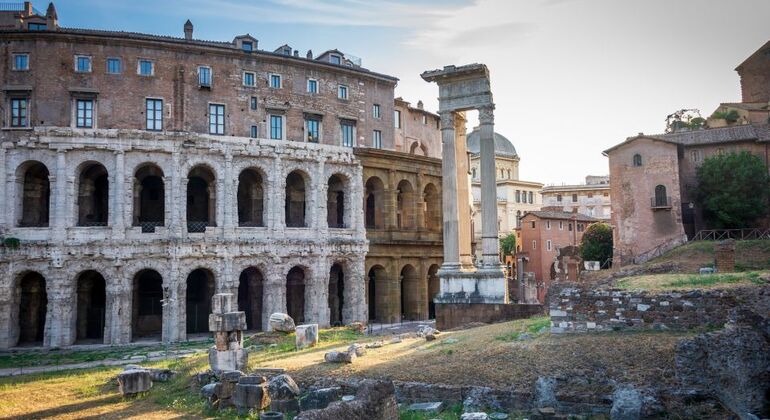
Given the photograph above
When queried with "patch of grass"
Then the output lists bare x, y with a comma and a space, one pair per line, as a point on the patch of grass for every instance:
659, 282
531, 326
451, 413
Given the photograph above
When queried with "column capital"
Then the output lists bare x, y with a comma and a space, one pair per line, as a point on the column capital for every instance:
447, 120
486, 114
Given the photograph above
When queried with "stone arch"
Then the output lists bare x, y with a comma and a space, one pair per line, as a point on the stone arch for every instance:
434, 288
405, 205
296, 199
377, 293
337, 201
336, 297
93, 194
201, 286
295, 293
251, 286
374, 201
91, 304
149, 197
147, 308
251, 198
432, 200
201, 198
34, 202
31, 300
410, 293
418, 146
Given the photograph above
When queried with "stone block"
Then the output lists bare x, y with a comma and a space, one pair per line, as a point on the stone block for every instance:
339, 357
283, 387
284, 406
252, 380
249, 397
281, 322
230, 321
358, 349
228, 360
427, 407
320, 398
474, 416
306, 336
222, 303
131, 382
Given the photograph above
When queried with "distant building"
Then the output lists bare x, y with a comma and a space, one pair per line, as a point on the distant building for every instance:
514, 196
653, 177
541, 236
416, 130
591, 199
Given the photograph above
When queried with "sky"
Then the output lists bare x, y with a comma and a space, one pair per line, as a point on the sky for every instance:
570, 78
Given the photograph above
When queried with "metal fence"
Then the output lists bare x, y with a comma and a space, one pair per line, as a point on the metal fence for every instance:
737, 234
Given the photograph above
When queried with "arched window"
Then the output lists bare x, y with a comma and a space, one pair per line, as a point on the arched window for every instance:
474, 173
637, 160
93, 195
405, 205
201, 199
250, 198
660, 196
335, 202
149, 198
36, 195
295, 200
373, 198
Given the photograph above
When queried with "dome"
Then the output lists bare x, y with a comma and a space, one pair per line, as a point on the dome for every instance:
503, 146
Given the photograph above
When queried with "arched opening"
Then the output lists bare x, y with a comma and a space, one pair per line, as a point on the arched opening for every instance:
418, 149
250, 198
295, 294
36, 195
295, 200
91, 304
434, 289
200, 290
336, 297
149, 198
147, 309
201, 199
250, 290
373, 203
637, 160
33, 304
335, 202
410, 293
405, 205
432, 208
93, 195
375, 293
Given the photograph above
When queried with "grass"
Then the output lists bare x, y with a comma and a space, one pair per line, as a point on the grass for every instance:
532, 326
662, 282
451, 413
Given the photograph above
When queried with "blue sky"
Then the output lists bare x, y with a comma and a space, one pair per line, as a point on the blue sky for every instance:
570, 77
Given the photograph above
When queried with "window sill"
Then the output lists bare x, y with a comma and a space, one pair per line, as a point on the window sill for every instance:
654, 208
17, 128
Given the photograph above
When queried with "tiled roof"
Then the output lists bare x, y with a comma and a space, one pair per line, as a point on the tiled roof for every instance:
545, 214
745, 132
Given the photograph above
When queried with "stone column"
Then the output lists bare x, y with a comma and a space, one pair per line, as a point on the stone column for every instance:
118, 196
355, 306
60, 311
463, 193
317, 294
229, 185
274, 294
490, 242
174, 328
117, 317
176, 200
390, 198
277, 197
450, 205
4, 223
320, 200
60, 197
419, 204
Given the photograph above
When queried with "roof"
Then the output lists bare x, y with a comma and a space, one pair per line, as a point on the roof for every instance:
503, 146
736, 133
562, 215
764, 49
574, 187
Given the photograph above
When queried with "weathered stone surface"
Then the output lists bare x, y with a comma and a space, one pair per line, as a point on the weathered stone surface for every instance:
231, 321
281, 322
230, 375
222, 303
271, 415
228, 360
358, 349
251, 397
375, 400
285, 406
283, 387
339, 357
545, 392
306, 336
474, 416
481, 398
358, 327
320, 398
428, 407
134, 381
626, 404
252, 380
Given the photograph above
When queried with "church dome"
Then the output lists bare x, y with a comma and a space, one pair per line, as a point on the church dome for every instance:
503, 146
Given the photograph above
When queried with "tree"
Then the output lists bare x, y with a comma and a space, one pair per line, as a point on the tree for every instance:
596, 244
508, 244
733, 190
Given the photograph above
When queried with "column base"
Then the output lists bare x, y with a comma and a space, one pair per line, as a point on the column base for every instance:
476, 286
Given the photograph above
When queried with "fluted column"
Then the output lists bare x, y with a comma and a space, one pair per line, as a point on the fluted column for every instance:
449, 193
489, 239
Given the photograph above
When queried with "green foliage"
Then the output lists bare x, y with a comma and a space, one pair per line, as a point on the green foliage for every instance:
733, 190
596, 244
534, 326
508, 244
730, 116
11, 243
451, 413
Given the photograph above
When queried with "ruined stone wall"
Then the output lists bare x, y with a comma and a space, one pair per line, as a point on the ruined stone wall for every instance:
120, 249
579, 310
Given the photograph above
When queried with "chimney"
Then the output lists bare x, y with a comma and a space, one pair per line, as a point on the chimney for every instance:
27, 8
188, 30
419, 105
309, 54
52, 18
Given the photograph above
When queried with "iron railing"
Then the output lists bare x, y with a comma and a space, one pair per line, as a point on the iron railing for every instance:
149, 227
197, 227
660, 202
737, 234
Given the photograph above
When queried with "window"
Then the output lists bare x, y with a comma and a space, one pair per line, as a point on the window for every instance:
376, 111
313, 127
247, 46
569, 226
312, 86
580, 227
397, 118
335, 59
276, 127
253, 131
695, 155
154, 108
509, 174
84, 117
425, 119
637, 160
590, 195
114, 66
531, 198
21, 62
561, 225
37, 27
518, 196
661, 200
558, 198
216, 119
574, 198
548, 224
342, 92
377, 139
548, 244
534, 244
347, 129
532, 223
249, 79
82, 64
19, 108
204, 76
275, 81
146, 68
253, 103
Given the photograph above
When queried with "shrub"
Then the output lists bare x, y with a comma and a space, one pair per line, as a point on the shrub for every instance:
596, 244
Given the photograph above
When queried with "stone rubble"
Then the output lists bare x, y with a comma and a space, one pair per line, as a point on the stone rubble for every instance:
281, 322
134, 381
306, 336
228, 325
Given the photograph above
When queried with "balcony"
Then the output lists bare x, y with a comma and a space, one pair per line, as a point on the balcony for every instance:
660, 203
